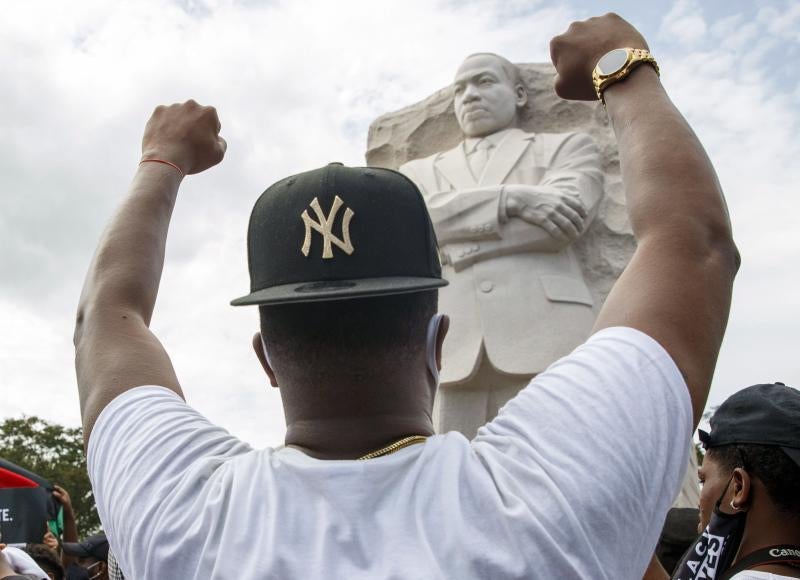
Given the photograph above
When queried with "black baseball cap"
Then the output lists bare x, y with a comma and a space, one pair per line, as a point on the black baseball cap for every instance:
767, 414
92, 547
340, 232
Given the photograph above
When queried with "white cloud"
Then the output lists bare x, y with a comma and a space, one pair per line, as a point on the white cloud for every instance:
783, 21
684, 23
32, 347
296, 85
748, 122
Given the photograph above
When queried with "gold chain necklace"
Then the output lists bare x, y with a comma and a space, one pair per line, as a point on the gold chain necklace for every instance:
396, 446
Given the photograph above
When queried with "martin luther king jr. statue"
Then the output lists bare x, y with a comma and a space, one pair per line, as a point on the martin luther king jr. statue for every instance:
507, 206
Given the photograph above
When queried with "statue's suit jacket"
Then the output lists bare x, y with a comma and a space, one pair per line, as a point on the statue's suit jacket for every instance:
513, 289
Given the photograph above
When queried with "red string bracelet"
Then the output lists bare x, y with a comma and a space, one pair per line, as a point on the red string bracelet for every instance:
165, 163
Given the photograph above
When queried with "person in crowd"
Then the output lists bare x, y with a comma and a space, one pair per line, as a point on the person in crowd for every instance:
70, 533
749, 504
50, 541
47, 559
679, 532
114, 571
70, 528
91, 558
15, 564
344, 268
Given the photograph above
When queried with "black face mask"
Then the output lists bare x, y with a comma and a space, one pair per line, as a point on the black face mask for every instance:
75, 572
715, 549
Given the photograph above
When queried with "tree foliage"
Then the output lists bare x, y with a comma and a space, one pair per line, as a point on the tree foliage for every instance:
56, 453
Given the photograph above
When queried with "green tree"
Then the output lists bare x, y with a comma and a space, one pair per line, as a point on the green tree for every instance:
56, 453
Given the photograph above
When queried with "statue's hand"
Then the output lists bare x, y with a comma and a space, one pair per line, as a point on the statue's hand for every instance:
576, 52
560, 214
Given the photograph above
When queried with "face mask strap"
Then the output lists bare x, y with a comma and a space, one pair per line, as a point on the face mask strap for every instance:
716, 548
743, 465
89, 568
724, 491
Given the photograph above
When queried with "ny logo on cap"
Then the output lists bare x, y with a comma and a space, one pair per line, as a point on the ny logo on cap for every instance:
324, 226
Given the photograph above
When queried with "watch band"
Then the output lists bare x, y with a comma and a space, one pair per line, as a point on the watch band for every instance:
635, 57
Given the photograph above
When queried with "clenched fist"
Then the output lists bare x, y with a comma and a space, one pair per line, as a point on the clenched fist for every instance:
576, 52
186, 134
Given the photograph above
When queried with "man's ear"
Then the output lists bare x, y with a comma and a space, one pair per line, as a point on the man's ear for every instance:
522, 96
444, 326
261, 354
742, 486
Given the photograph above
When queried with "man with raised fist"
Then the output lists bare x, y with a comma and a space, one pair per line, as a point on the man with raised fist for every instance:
571, 480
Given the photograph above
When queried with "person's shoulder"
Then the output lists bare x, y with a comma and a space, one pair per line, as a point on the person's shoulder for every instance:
757, 575
431, 160
618, 338
637, 356
145, 397
411, 167
139, 418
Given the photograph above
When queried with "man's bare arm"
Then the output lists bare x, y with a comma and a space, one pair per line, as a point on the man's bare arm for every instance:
114, 348
678, 285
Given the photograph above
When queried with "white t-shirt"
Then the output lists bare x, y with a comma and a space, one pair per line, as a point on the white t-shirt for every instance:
22, 563
571, 480
756, 575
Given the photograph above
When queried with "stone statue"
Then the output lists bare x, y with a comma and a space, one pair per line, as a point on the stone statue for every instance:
507, 206
526, 199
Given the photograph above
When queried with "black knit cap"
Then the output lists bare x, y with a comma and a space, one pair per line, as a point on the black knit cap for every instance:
340, 232
767, 414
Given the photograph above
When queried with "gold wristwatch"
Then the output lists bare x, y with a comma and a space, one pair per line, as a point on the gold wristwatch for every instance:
617, 64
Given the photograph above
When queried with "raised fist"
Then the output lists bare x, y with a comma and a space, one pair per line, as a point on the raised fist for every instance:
576, 52
62, 497
186, 134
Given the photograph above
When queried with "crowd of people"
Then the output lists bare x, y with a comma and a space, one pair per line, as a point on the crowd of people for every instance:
60, 555
573, 479
748, 517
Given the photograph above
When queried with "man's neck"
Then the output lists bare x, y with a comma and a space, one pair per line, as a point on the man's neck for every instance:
358, 413
353, 437
766, 529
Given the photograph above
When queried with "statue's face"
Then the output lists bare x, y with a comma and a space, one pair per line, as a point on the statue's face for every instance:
485, 98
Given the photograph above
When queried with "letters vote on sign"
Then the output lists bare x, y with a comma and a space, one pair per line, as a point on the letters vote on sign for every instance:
23, 512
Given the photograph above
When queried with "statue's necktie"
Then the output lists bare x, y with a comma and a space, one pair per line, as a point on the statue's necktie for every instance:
480, 157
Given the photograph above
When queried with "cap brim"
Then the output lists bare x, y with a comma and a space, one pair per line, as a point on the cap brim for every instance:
704, 436
338, 290
794, 454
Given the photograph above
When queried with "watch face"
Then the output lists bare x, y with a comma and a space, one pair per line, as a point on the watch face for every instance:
612, 61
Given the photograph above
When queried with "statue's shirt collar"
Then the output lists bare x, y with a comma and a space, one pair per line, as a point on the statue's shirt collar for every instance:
471, 143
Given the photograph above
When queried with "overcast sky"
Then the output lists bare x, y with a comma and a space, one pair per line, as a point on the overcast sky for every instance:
296, 85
